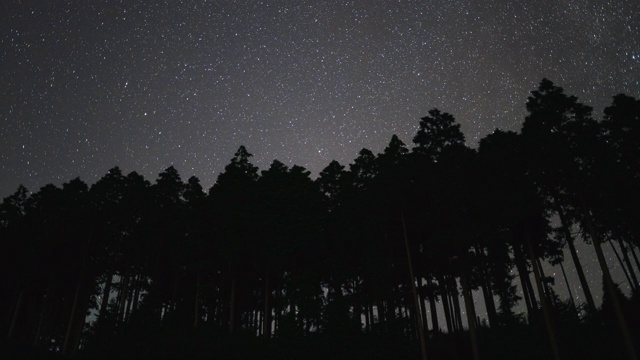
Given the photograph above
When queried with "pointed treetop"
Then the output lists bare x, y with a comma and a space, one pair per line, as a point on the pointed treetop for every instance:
438, 132
276, 167
364, 167
330, 180
396, 147
169, 185
238, 174
13, 206
241, 156
550, 109
241, 163
75, 186
193, 191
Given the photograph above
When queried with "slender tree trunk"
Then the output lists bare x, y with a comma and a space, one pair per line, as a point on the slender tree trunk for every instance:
391, 313
267, 307
487, 291
80, 319
622, 266
548, 292
566, 281
414, 292
609, 286
625, 257
635, 257
525, 281
432, 305
277, 311
122, 296
174, 291
232, 304
232, 298
367, 319
454, 320
105, 297
382, 323
357, 307
455, 296
131, 295
576, 261
545, 306
16, 311
470, 310
53, 319
43, 312
196, 302
136, 294
260, 323
487, 294
444, 296
66, 349
423, 308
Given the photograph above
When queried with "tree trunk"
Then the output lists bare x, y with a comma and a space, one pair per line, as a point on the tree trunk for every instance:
414, 292
66, 349
382, 321
391, 313
543, 301
622, 266
609, 286
136, 293
432, 305
357, 307
266, 331
16, 311
487, 291
43, 311
122, 296
632, 273
367, 319
232, 303
196, 302
487, 295
566, 281
423, 308
576, 262
470, 310
132, 290
523, 272
455, 296
105, 297
372, 319
80, 319
444, 296
635, 257
277, 311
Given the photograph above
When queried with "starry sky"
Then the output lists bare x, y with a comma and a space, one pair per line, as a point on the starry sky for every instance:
86, 85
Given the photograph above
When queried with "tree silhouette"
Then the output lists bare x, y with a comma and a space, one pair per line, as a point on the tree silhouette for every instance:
233, 195
391, 256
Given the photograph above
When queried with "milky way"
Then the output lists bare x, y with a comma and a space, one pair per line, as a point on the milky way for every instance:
88, 85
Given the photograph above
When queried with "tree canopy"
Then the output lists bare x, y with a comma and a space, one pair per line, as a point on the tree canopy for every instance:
439, 245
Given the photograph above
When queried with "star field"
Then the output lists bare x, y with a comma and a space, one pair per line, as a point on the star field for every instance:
88, 85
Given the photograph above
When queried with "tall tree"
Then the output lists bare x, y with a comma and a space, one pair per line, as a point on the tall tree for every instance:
233, 195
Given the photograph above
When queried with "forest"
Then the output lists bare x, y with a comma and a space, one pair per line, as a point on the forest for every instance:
433, 251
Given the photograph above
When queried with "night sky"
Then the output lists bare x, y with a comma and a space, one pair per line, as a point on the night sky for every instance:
88, 85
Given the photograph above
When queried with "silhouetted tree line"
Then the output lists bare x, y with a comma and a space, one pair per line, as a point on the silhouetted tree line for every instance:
366, 261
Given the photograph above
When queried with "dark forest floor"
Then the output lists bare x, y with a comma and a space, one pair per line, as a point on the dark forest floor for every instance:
601, 341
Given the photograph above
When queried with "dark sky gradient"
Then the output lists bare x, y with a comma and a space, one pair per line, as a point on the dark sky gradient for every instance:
88, 85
